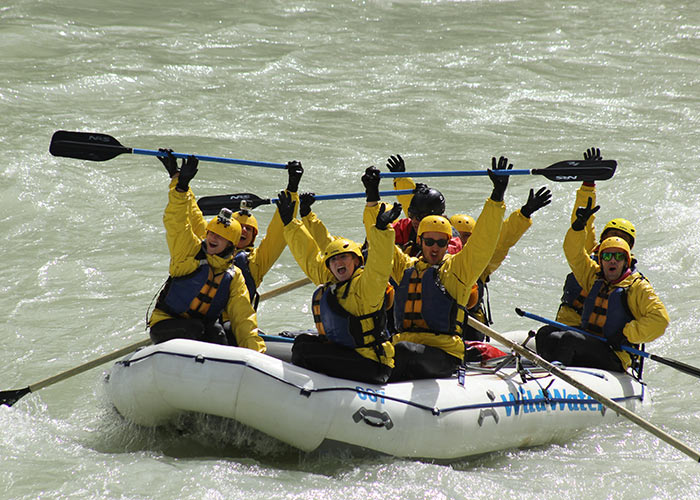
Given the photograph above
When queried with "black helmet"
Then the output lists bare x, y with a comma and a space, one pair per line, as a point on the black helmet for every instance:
426, 201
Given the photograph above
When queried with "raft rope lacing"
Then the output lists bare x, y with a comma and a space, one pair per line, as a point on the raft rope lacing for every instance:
304, 391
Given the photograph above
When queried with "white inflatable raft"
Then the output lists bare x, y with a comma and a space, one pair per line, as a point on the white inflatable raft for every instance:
476, 413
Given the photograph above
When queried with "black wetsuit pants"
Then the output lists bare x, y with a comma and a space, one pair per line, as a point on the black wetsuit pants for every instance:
194, 329
315, 352
576, 349
416, 361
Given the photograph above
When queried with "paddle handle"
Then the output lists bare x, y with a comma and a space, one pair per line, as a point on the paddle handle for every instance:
453, 173
216, 159
604, 400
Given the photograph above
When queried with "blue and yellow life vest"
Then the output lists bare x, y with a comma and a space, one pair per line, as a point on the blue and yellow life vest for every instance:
343, 328
242, 263
605, 311
423, 305
199, 295
573, 296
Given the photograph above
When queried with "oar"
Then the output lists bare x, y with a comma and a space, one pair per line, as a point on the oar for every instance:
284, 288
685, 368
12, 396
562, 171
605, 401
100, 147
211, 205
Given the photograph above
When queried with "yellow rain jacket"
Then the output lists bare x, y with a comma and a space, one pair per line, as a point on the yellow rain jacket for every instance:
184, 245
367, 286
458, 272
318, 230
566, 314
650, 316
513, 229
401, 183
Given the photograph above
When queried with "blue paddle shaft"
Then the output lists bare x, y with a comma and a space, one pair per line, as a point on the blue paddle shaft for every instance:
276, 338
454, 173
551, 322
343, 196
217, 159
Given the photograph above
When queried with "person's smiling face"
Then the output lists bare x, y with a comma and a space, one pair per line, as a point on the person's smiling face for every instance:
215, 243
343, 265
247, 235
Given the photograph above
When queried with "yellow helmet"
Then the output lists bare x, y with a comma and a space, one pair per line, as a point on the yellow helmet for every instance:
615, 242
621, 225
245, 217
435, 223
225, 226
342, 245
463, 223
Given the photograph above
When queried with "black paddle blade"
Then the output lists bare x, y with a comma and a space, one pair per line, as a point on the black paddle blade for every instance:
212, 205
86, 145
8, 398
578, 170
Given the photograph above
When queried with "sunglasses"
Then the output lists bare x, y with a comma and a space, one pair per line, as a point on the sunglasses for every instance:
619, 256
430, 242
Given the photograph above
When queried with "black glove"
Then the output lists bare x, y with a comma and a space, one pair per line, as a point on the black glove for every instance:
187, 172
169, 161
371, 181
500, 182
396, 164
592, 154
615, 340
285, 206
583, 214
295, 171
536, 201
385, 218
305, 202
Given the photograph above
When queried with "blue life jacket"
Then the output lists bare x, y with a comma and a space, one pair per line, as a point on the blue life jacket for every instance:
343, 328
609, 304
198, 295
433, 309
573, 296
242, 263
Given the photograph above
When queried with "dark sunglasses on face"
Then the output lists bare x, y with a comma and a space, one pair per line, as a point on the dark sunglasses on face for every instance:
619, 256
430, 242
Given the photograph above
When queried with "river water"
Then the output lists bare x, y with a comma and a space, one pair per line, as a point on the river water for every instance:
339, 86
